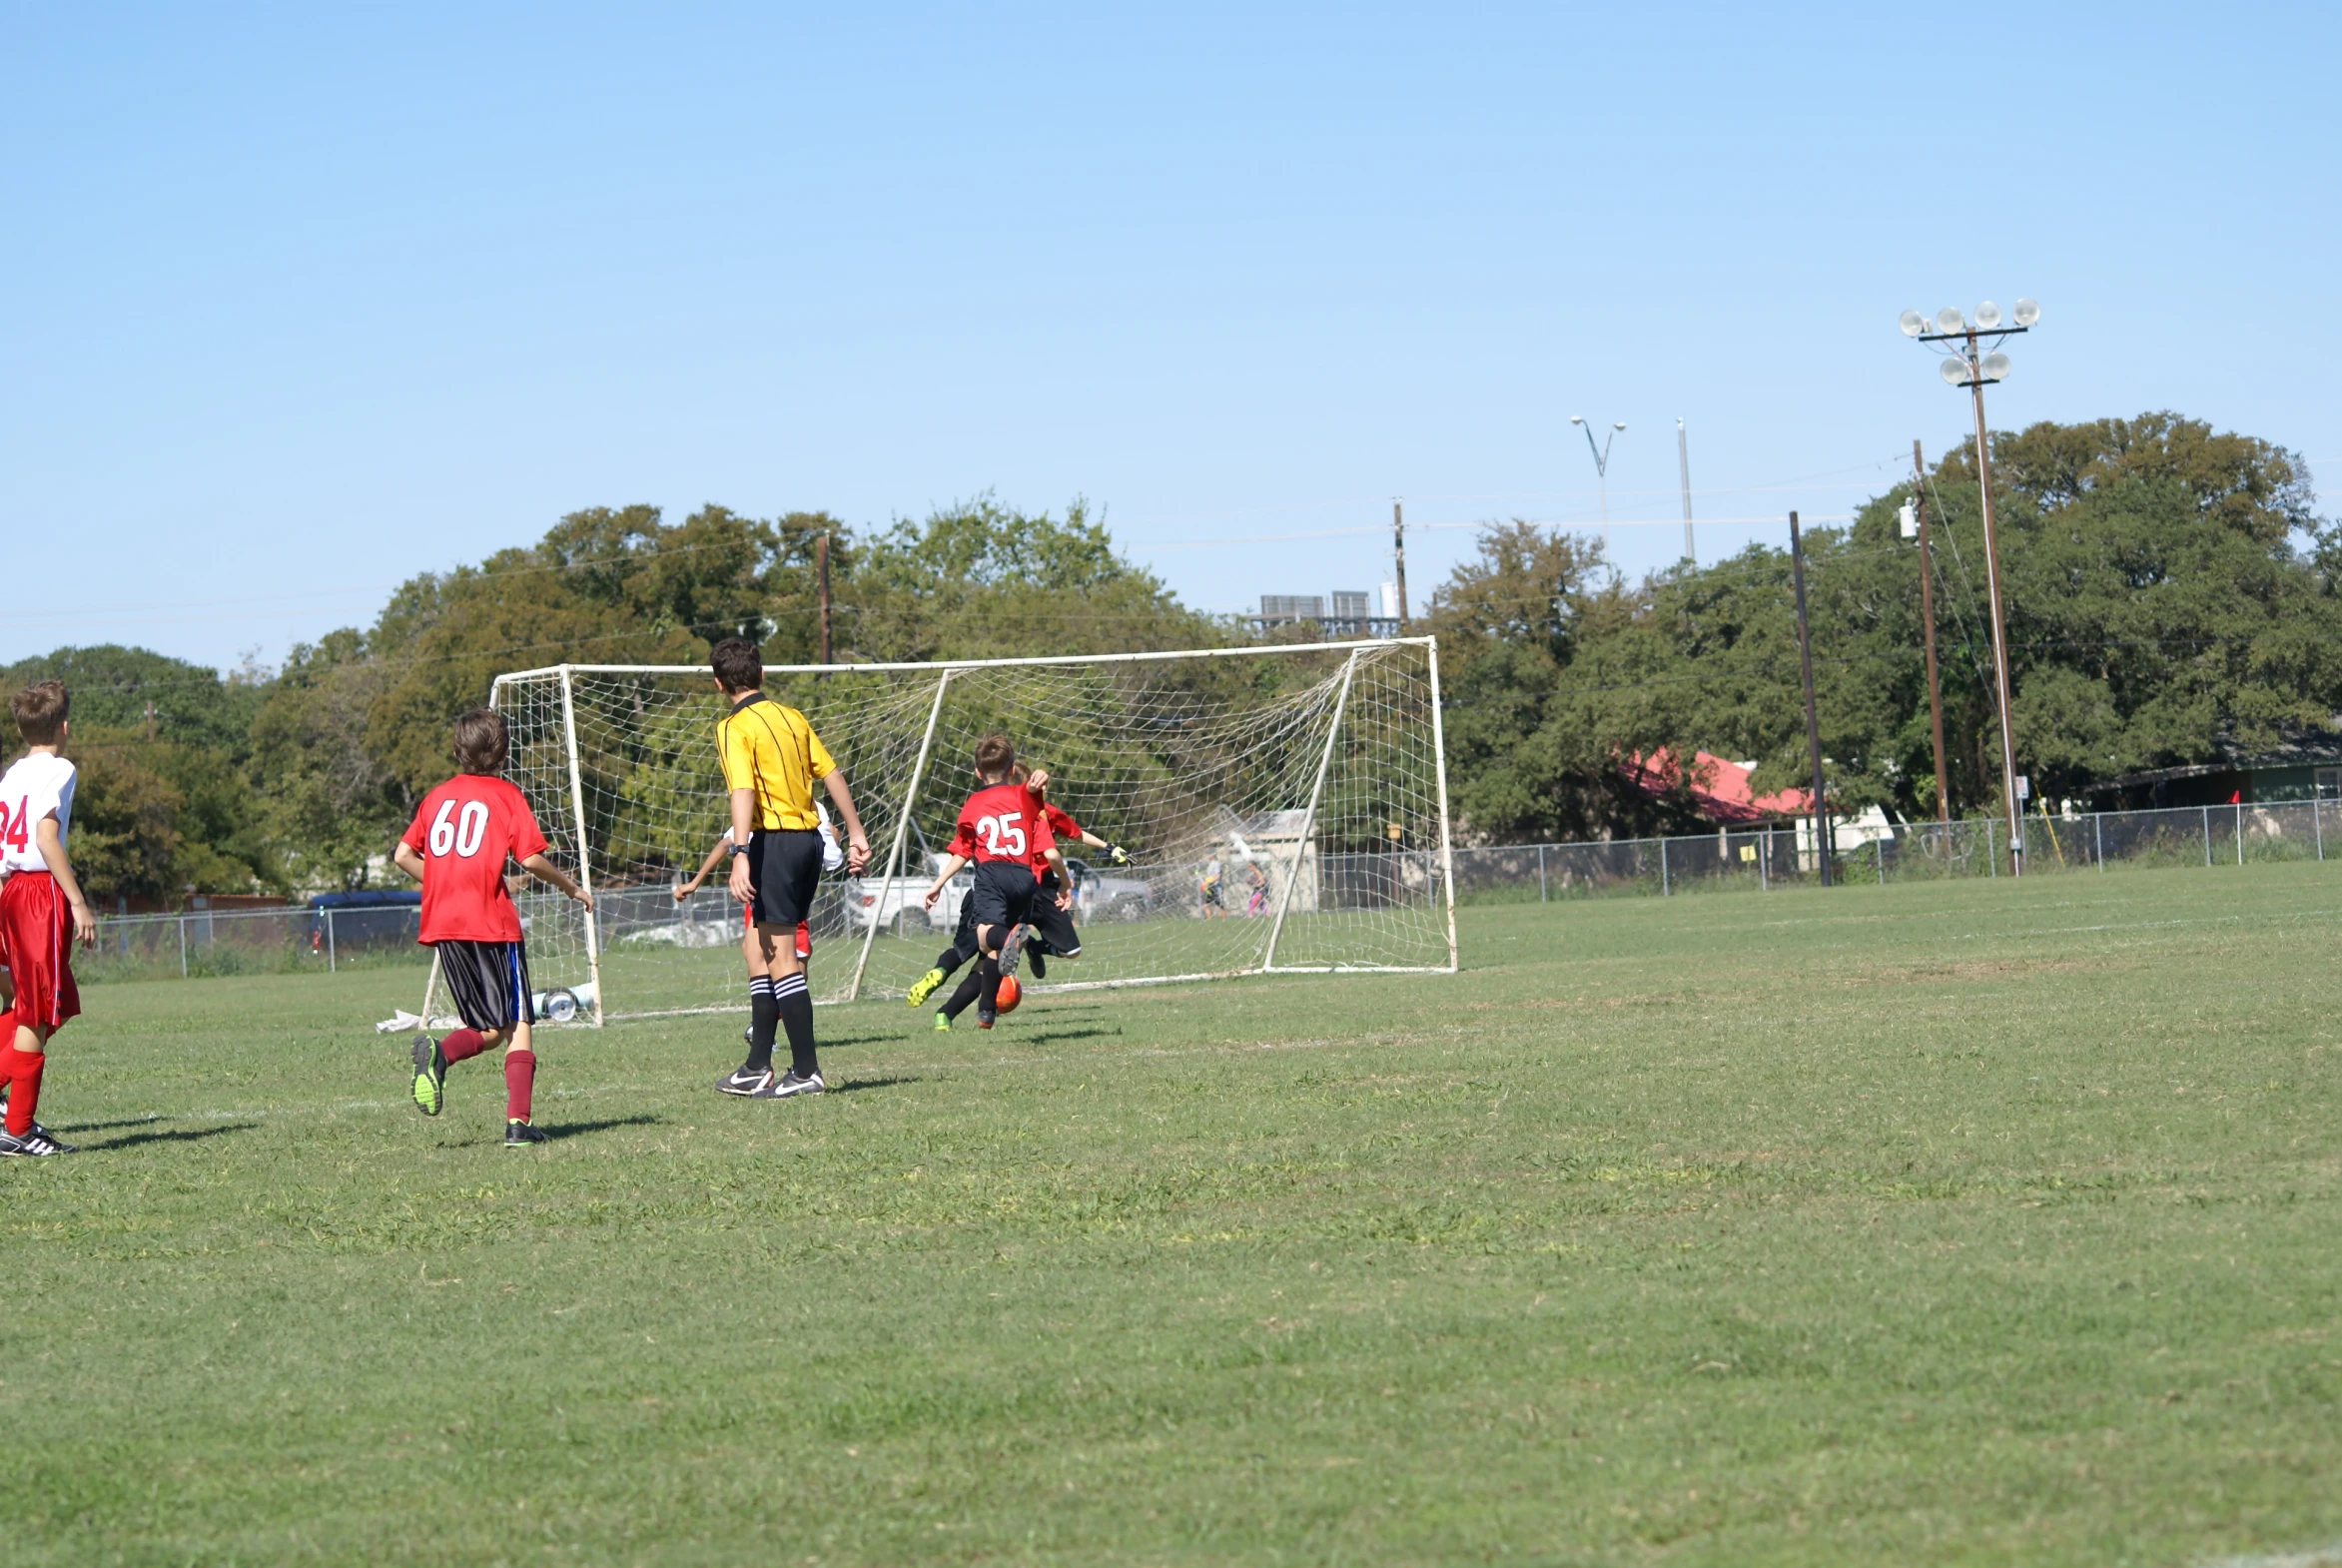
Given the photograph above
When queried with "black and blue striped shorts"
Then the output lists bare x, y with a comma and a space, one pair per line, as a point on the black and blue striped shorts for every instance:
489, 982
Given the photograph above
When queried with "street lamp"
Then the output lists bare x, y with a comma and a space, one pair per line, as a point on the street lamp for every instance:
1601, 470
1964, 365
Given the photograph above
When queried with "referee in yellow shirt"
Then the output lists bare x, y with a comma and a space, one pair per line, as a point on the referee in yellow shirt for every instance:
771, 761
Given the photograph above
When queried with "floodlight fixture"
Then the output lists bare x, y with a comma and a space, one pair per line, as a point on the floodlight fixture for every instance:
1988, 317
1994, 366
1953, 371
2028, 311
1949, 319
1913, 323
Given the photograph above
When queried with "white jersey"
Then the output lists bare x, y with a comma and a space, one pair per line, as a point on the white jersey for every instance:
39, 784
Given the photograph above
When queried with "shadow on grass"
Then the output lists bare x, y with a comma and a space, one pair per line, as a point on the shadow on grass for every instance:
180, 1136
553, 1135
100, 1127
856, 1086
1053, 1036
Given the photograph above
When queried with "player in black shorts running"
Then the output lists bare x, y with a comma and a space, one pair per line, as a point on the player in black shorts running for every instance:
1002, 830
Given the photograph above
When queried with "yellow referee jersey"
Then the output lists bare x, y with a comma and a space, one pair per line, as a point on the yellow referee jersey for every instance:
768, 747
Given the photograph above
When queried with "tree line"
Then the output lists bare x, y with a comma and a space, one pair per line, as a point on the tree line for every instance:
2170, 593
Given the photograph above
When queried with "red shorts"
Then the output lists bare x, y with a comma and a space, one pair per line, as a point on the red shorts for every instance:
36, 937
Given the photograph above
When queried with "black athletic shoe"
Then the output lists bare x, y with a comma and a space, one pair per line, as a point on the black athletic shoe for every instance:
984, 1018
1040, 968
63, 1147
430, 1075
34, 1144
519, 1135
745, 1080
788, 1086
1012, 945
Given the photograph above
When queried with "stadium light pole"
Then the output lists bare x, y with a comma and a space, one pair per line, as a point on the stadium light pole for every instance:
1601, 470
1968, 364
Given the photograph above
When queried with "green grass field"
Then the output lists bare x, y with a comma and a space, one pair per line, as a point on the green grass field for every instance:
1977, 1222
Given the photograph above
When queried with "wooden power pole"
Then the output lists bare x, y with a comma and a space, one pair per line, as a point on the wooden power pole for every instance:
1804, 656
1918, 505
821, 571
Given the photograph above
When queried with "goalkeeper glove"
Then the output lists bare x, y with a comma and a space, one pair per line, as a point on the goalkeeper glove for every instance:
1119, 855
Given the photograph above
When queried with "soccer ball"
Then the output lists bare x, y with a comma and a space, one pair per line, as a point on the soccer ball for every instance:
1010, 994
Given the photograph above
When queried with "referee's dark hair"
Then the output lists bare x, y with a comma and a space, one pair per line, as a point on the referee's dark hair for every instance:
737, 664
482, 741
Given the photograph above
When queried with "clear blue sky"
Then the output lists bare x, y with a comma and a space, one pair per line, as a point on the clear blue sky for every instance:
299, 301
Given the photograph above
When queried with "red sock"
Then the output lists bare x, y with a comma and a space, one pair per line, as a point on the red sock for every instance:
462, 1045
24, 1090
519, 1078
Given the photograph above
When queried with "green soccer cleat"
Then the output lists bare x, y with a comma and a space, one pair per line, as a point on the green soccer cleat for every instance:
430, 1075
943, 1024
924, 986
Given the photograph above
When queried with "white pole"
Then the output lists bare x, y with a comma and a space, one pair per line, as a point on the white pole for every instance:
594, 957
430, 988
901, 832
1440, 768
330, 963
1249, 651
1293, 874
1683, 465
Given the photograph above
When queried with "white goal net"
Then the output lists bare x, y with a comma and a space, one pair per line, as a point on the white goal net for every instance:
1283, 809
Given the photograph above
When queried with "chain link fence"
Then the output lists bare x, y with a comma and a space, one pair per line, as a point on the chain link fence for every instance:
286, 941
1759, 859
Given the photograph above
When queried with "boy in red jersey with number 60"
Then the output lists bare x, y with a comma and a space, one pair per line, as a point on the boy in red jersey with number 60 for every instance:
1002, 828
457, 848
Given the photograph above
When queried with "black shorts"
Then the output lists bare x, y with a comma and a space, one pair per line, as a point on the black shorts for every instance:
1053, 925
1002, 894
784, 870
489, 982
963, 934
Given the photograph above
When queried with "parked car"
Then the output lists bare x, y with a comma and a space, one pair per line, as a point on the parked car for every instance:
893, 903
1105, 895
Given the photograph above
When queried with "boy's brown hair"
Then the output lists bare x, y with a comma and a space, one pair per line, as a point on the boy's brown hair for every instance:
40, 710
996, 758
738, 663
482, 741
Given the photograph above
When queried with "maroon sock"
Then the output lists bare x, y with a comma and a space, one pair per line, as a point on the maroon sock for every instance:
24, 1090
519, 1078
462, 1045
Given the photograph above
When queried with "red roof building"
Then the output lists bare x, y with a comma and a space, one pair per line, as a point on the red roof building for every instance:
1719, 788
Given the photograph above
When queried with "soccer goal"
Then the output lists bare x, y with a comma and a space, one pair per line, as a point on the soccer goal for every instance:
1284, 809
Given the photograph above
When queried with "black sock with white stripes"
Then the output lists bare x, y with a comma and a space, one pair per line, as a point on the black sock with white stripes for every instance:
763, 1013
796, 1010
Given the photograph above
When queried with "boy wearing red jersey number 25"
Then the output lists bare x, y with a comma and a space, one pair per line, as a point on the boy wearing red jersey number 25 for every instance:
457, 848
1002, 828
40, 903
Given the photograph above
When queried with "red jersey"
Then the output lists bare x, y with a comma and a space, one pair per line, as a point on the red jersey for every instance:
1068, 831
463, 830
999, 823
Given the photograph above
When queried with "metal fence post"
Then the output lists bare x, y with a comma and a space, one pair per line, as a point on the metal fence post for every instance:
2207, 835
328, 940
183, 947
1992, 852
2098, 834
1765, 862
2317, 821
1663, 867
1540, 873
2240, 829
1880, 846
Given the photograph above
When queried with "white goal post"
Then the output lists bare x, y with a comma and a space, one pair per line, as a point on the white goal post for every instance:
1283, 808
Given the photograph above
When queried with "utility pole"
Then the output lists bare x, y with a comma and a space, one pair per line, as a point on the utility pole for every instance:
1804, 656
2008, 798
1918, 505
1398, 552
821, 570
1683, 464
1964, 365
